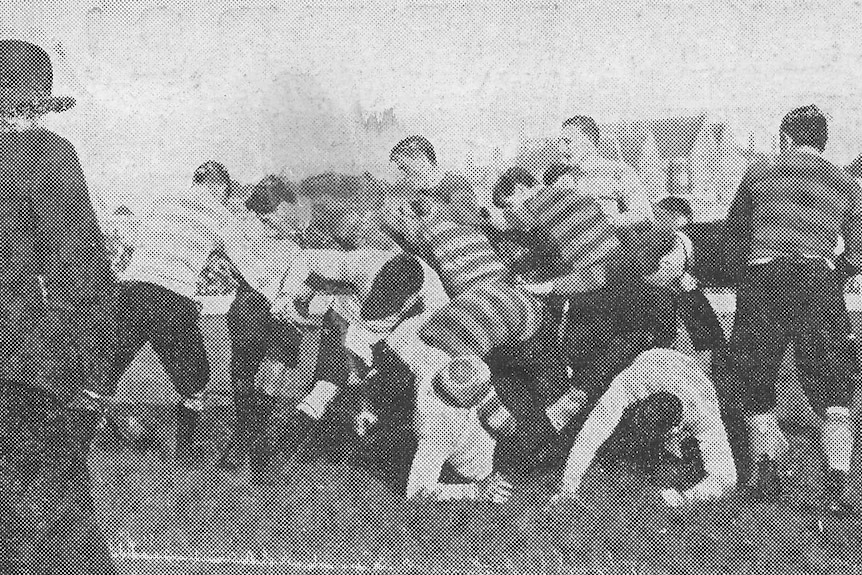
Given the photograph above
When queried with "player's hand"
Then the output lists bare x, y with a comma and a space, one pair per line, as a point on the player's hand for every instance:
673, 498
494, 489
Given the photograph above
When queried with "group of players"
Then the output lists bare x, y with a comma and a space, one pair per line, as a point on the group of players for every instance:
482, 338
476, 339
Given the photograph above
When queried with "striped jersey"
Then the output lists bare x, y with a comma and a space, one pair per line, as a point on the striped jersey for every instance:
261, 255
175, 239
462, 256
574, 224
482, 319
654, 371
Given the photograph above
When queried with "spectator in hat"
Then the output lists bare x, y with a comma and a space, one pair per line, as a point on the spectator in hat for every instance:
56, 285
156, 302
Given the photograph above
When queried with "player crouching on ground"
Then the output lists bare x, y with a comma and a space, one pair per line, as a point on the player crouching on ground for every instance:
382, 288
662, 403
405, 426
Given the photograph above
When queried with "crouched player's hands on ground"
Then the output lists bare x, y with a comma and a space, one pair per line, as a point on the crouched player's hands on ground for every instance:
673, 498
494, 489
566, 501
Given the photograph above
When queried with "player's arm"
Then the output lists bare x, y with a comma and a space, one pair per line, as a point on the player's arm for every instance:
851, 231
600, 424
639, 208
436, 444
717, 458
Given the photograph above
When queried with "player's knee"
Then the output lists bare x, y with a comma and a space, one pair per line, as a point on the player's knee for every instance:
463, 382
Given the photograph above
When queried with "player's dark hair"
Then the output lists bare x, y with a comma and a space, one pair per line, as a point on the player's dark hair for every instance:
268, 193
807, 126
413, 146
676, 205
587, 125
211, 172
505, 185
397, 281
657, 414
554, 172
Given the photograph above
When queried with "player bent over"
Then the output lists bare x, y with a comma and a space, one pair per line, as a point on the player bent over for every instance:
658, 403
401, 412
378, 290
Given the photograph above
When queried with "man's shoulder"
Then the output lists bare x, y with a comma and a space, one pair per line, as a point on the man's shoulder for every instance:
805, 166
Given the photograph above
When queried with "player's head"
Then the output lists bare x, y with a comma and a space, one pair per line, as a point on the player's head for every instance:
415, 157
672, 212
512, 183
559, 175
275, 202
463, 382
214, 177
805, 126
656, 416
394, 290
579, 137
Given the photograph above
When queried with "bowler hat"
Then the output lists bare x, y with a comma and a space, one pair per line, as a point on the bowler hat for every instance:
26, 78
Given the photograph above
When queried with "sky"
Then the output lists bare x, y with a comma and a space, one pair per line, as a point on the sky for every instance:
303, 87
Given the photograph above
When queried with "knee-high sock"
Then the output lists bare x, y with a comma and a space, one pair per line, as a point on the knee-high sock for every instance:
765, 436
836, 438
314, 404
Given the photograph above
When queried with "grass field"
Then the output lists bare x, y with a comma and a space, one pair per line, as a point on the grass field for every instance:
327, 517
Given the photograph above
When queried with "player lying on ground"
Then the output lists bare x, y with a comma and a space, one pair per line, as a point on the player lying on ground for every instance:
656, 405
377, 290
399, 413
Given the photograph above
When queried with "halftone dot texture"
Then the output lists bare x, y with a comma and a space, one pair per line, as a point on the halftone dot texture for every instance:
688, 95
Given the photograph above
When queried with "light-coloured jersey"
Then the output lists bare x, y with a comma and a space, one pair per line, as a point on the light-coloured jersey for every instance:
654, 371
261, 256
446, 434
617, 188
176, 237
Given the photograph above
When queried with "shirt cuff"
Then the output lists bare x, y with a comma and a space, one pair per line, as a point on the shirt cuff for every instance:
688, 247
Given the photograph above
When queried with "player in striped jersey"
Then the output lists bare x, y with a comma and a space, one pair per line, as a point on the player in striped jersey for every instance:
596, 268
264, 250
155, 300
662, 403
377, 290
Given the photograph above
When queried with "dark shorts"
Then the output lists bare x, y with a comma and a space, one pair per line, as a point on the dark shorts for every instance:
257, 336
146, 312
799, 301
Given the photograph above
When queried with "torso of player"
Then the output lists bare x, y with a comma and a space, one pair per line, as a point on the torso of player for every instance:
261, 254
176, 238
